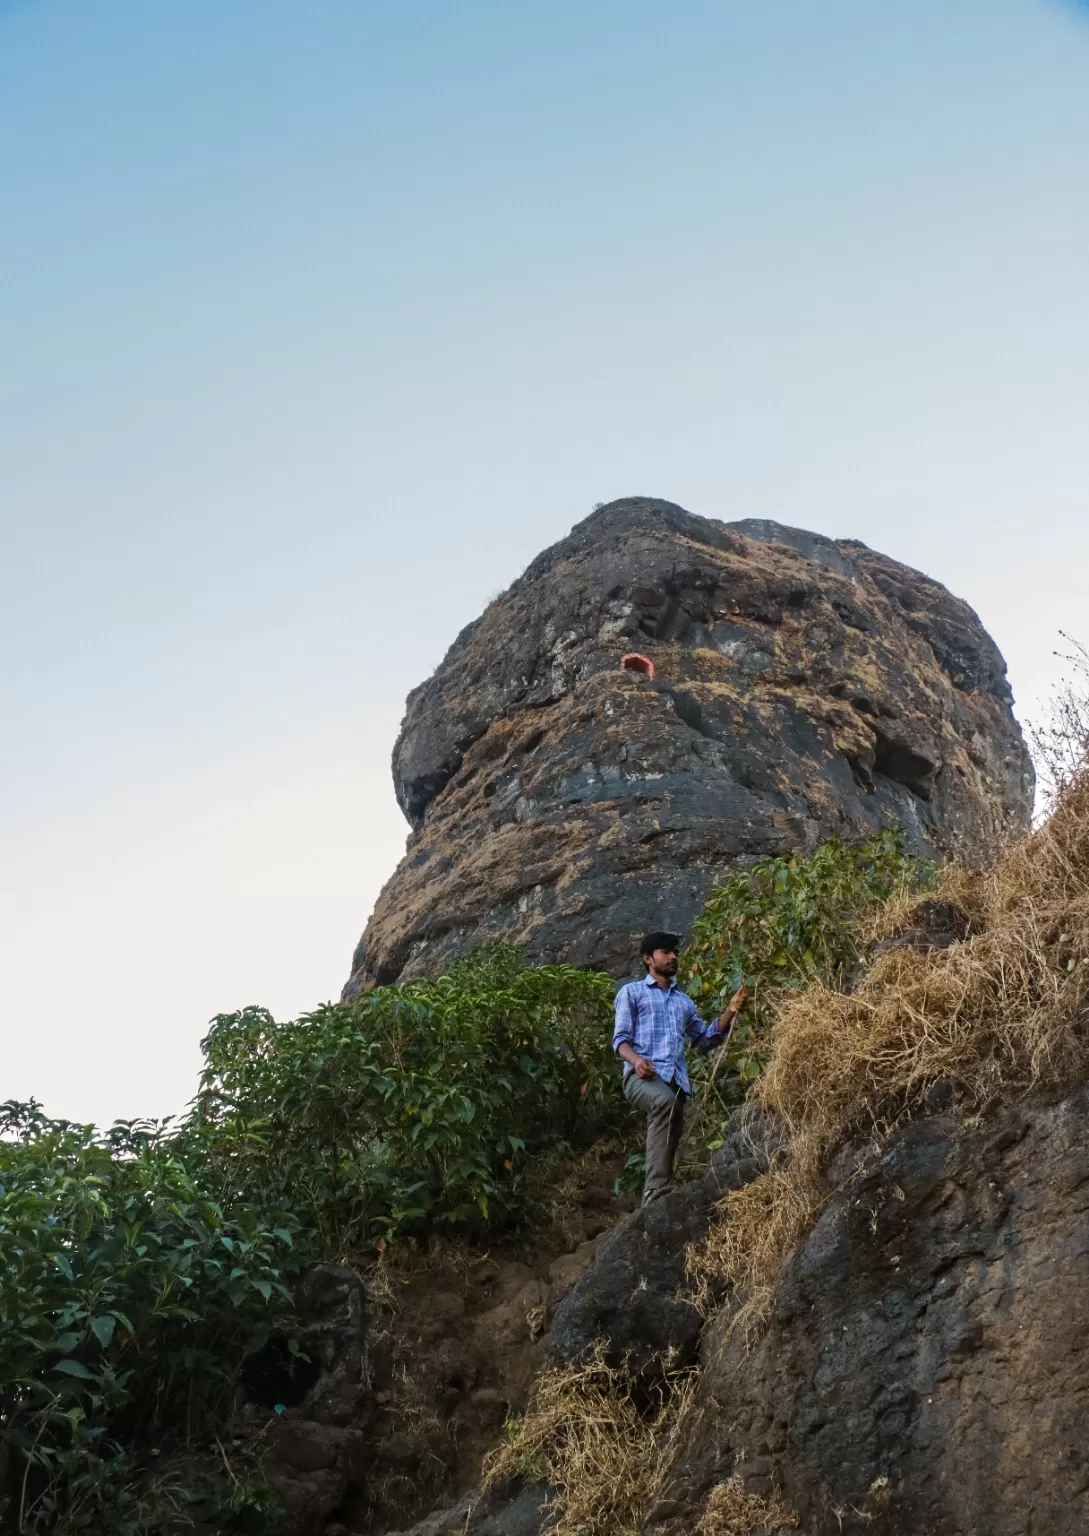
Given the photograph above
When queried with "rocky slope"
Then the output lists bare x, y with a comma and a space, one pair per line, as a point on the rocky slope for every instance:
802, 686
924, 1369
899, 1267
413, 1365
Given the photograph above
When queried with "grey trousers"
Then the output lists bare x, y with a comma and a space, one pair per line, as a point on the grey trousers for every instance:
663, 1105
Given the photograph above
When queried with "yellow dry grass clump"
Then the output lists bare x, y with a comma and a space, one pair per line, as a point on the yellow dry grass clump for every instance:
995, 1016
730, 1511
604, 1452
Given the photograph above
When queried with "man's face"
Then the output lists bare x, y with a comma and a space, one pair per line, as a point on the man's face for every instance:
664, 962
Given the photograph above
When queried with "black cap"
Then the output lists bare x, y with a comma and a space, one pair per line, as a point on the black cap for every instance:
659, 940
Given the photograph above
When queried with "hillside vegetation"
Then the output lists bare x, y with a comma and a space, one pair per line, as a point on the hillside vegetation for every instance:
142, 1267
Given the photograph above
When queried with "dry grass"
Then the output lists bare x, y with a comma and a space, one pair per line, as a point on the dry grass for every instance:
604, 1452
1060, 741
961, 887
730, 1511
995, 1016
759, 1225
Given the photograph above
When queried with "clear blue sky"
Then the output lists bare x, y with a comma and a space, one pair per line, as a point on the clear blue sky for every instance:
318, 320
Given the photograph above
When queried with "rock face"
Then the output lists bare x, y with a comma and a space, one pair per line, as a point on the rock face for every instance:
636, 1294
925, 1368
802, 686
315, 1451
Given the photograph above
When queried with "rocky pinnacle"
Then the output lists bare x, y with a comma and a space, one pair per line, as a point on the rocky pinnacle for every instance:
799, 686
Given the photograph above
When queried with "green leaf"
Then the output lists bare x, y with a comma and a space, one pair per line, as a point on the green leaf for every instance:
73, 1368
103, 1328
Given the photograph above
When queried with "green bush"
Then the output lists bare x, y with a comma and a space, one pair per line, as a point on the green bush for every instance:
416, 1106
140, 1268
781, 923
129, 1298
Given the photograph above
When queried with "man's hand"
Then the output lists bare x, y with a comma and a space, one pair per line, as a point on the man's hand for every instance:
643, 1067
732, 1009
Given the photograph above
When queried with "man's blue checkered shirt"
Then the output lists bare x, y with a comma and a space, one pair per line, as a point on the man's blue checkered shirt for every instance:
656, 1023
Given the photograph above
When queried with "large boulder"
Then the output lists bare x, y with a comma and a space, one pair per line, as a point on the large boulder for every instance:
802, 686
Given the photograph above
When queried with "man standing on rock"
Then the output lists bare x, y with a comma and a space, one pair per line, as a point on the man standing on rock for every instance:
653, 1018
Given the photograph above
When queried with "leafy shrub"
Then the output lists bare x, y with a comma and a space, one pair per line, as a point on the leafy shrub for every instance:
129, 1298
140, 1268
416, 1105
783, 923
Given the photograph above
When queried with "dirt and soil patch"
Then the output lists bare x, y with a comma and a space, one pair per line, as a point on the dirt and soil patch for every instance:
454, 1342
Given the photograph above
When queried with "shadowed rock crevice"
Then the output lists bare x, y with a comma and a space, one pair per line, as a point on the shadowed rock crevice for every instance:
802, 686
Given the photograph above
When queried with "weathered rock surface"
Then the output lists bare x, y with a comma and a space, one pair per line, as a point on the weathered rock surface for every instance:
316, 1451
636, 1295
453, 1346
523, 1512
803, 686
925, 1371
926, 1368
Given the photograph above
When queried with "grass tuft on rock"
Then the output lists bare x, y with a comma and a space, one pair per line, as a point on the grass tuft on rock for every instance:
730, 1511
600, 1442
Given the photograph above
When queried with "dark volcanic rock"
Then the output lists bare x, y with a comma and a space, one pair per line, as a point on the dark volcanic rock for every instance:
517, 1512
803, 686
636, 1294
926, 1365
315, 1452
